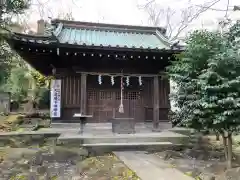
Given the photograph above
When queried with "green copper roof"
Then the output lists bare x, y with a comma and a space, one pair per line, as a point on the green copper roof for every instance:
100, 35
111, 36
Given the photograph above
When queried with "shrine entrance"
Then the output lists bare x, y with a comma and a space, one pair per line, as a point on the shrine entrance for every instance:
103, 102
119, 74
104, 105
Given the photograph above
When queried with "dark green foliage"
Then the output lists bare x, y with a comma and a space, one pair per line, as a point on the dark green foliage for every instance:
17, 84
16, 6
220, 86
15, 76
201, 46
208, 78
234, 32
8, 9
44, 98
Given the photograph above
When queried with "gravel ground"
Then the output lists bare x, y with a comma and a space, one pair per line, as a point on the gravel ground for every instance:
63, 164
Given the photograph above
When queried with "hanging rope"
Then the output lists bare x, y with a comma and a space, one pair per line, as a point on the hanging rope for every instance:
122, 75
121, 109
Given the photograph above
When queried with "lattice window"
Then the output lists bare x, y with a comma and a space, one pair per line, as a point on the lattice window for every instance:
106, 95
134, 95
92, 94
118, 95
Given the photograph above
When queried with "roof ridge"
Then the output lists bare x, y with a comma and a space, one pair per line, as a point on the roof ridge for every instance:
120, 30
76, 24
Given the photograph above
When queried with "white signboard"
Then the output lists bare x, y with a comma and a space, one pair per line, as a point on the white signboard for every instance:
55, 109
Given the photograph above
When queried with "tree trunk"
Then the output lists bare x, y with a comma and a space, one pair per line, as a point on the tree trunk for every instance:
230, 153
217, 136
32, 93
225, 146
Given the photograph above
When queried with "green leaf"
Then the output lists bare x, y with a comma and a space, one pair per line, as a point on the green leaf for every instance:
208, 79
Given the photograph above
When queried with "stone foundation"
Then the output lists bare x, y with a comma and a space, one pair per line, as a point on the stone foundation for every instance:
123, 125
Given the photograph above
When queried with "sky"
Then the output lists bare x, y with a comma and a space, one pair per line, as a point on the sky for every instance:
128, 12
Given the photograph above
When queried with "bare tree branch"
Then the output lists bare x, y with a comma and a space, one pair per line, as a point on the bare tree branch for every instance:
170, 13
75, 4
157, 12
215, 9
227, 9
188, 17
148, 3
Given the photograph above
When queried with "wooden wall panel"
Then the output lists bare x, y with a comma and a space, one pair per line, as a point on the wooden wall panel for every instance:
164, 89
141, 109
71, 91
164, 102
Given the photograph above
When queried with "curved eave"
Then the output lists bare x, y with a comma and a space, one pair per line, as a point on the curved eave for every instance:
47, 54
49, 40
32, 38
124, 49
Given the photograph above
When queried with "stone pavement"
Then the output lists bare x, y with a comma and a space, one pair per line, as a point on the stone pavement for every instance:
148, 166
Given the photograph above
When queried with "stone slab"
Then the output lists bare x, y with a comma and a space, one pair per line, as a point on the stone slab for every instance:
90, 138
127, 144
87, 125
181, 130
17, 133
123, 125
146, 169
116, 136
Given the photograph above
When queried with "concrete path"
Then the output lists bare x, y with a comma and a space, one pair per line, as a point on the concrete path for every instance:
148, 166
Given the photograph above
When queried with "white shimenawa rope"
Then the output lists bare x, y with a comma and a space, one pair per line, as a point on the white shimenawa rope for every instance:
121, 109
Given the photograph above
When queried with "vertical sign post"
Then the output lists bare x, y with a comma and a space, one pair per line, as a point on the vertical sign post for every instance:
55, 110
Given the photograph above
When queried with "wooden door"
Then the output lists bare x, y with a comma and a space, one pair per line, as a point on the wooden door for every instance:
136, 108
92, 104
106, 105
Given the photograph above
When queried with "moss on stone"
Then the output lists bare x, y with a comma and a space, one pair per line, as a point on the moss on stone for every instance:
106, 166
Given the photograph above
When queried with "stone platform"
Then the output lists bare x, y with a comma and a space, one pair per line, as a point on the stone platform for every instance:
122, 142
101, 135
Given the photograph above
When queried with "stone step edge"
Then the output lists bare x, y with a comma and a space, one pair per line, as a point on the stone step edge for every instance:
120, 136
128, 144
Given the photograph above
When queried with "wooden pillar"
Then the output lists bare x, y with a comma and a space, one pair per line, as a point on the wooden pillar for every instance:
83, 93
155, 102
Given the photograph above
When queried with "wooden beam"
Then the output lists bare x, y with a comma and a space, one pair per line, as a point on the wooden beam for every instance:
83, 103
155, 102
162, 74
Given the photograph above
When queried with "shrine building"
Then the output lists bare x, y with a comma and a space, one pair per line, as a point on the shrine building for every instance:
103, 71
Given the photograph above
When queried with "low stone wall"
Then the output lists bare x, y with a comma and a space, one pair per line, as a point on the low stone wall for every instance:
26, 140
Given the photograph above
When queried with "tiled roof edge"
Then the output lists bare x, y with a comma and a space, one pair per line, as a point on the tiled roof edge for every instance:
91, 25
58, 30
36, 36
163, 38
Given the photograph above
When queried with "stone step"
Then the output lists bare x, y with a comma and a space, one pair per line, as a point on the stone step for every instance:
91, 125
124, 138
61, 125
133, 146
109, 125
127, 144
181, 130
